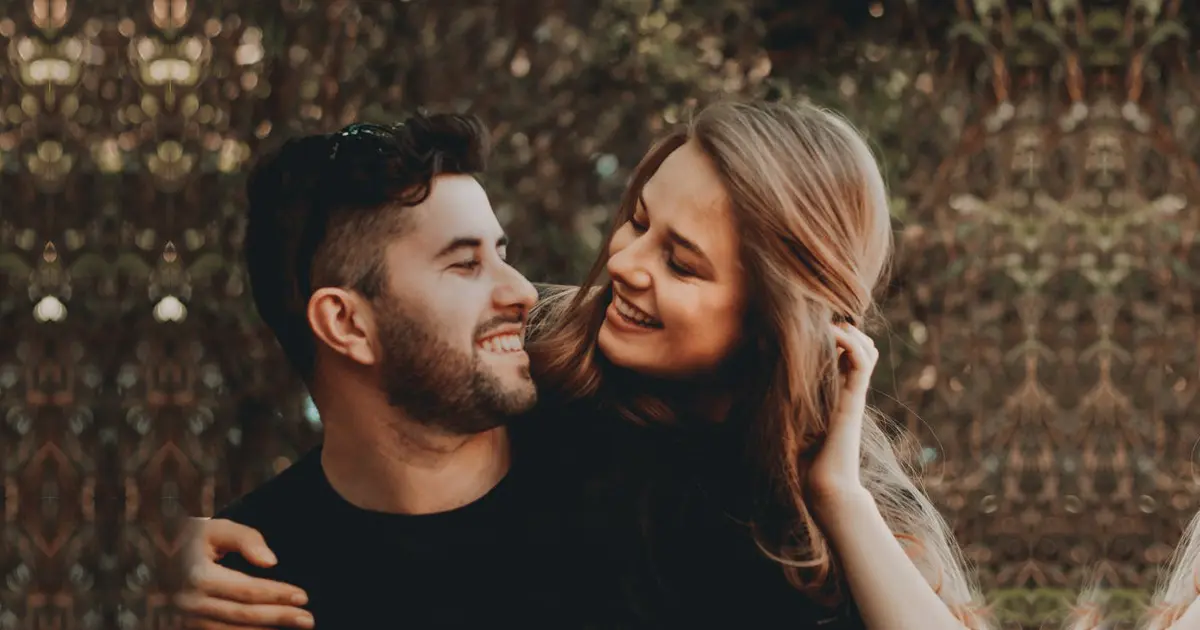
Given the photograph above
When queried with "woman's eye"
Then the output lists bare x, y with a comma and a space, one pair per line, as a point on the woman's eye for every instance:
638, 225
469, 265
680, 268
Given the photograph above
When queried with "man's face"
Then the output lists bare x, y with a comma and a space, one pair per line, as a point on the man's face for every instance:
452, 315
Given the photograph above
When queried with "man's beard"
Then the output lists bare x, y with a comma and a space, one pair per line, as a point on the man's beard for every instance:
440, 385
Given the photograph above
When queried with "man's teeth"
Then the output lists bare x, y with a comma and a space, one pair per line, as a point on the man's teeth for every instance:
502, 343
629, 311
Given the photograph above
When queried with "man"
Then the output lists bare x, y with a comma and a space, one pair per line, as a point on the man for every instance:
376, 259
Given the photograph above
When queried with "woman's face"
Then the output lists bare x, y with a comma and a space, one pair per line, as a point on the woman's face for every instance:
678, 286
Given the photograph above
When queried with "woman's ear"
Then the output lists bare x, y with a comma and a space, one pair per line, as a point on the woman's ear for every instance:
345, 322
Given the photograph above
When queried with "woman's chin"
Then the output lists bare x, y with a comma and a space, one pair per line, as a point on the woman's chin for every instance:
620, 352
631, 358
641, 362
609, 345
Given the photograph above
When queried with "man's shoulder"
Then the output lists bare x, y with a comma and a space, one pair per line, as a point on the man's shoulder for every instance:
286, 495
563, 444
550, 426
281, 510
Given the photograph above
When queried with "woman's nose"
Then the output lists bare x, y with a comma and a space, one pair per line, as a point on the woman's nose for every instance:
625, 268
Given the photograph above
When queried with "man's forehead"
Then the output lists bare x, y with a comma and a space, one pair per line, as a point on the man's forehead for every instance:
457, 207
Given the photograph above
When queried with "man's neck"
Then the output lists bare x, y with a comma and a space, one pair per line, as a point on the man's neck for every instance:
385, 462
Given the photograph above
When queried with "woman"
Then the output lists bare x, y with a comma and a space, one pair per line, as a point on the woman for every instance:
710, 360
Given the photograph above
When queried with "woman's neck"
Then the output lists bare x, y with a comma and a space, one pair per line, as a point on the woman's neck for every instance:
712, 406
707, 400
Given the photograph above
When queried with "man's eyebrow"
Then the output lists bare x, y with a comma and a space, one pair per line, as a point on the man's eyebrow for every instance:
468, 242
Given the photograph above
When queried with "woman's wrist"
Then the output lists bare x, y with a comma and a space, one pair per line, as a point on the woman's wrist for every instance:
831, 509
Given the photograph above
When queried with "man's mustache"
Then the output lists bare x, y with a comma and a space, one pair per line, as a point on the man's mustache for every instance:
499, 322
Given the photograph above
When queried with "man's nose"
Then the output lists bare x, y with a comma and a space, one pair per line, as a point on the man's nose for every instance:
514, 290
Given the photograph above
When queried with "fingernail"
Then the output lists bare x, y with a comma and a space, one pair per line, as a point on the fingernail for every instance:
299, 599
269, 557
304, 621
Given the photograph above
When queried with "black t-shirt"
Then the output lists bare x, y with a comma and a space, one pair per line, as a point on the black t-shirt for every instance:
599, 525
667, 536
495, 563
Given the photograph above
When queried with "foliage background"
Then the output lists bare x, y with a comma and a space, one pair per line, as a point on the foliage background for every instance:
1040, 338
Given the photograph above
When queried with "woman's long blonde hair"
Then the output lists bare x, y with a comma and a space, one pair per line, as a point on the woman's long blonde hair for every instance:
812, 213
1180, 587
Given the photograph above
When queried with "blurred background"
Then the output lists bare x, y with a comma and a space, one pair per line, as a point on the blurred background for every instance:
1041, 339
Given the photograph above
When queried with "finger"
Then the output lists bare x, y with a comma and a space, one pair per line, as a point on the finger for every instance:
193, 534
234, 613
866, 341
858, 348
855, 333
200, 623
225, 583
851, 348
225, 536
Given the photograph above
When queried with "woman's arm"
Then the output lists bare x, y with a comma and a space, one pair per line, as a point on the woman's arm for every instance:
889, 590
220, 597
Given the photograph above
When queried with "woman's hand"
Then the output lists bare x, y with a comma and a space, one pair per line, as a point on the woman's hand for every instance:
888, 589
218, 598
834, 474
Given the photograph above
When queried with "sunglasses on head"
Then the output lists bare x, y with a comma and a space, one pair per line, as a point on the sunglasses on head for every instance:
359, 132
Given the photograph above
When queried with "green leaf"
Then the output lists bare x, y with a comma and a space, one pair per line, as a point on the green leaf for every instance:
971, 31
1164, 31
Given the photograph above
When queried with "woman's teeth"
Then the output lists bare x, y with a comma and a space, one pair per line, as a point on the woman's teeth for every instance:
503, 343
628, 311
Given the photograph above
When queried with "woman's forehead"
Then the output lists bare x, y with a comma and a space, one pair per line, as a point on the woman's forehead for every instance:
688, 176
687, 193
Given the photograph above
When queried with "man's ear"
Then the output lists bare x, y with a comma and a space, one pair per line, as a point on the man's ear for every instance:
344, 321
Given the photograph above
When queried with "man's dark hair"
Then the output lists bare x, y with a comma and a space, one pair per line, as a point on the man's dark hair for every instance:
322, 209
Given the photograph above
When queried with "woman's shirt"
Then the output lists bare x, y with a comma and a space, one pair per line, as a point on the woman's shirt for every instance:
662, 518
